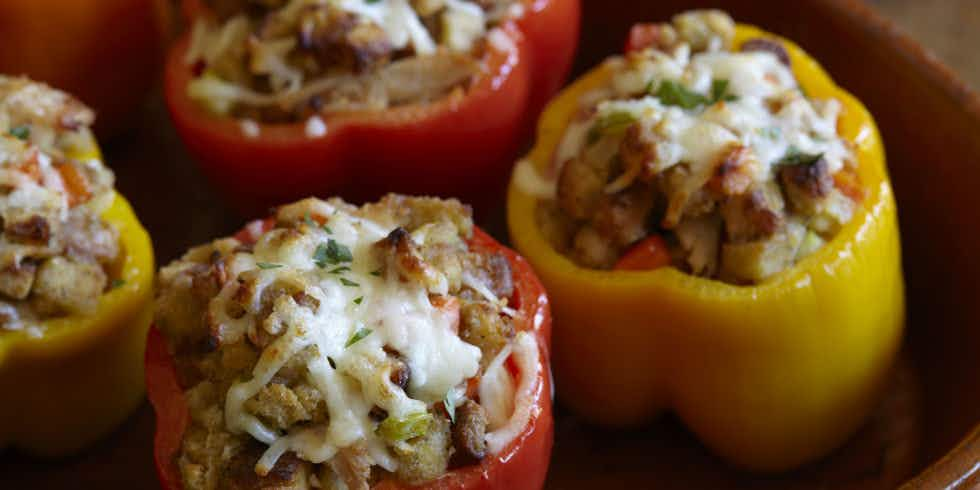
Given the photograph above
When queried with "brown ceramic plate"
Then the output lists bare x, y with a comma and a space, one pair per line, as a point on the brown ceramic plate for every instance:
931, 125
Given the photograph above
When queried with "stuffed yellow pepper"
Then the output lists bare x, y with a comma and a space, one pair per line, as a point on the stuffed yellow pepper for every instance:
76, 272
712, 218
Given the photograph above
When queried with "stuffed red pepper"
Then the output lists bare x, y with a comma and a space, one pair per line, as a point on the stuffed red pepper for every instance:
363, 97
332, 346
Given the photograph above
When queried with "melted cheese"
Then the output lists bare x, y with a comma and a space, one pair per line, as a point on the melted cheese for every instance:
770, 115
503, 429
399, 21
463, 24
398, 313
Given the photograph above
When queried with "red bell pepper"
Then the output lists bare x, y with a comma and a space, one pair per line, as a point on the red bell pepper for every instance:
520, 466
458, 146
649, 254
108, 53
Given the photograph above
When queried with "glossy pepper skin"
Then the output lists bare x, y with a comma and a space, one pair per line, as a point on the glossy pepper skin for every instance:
108, 53
768, 376
69, 387
457, 146
520, 466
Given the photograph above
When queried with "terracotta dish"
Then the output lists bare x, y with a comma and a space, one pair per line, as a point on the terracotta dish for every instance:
924, 433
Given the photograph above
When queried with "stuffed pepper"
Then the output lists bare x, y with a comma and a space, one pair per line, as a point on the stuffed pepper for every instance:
364, 97
108, 53
76, 271
713, 219
332, 346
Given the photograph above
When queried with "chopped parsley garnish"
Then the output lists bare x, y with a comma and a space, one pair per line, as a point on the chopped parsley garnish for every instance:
21, 132
348, 282
358, 336
331, 253
449, 403
309, 221
117, 283
332, 363
795, 157
673, 93
313, 224
612, 123
649, 87
358, 300
719, 91
339, 270
268, 265
376, 272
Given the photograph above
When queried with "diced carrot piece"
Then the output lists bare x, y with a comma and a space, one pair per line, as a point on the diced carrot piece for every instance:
650, 253
76, 185
847, 182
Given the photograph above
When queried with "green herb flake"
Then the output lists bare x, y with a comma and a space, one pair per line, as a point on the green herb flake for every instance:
358, 336
309, 221
331, 253
348, 282
719, 91
339, 270
268, 265
673, 93
327, 229
117, 283
358, 300
413, 425
610, 124
376, 272
21, 132
449, 403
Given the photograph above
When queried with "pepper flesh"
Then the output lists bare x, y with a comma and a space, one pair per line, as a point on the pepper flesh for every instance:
522, 465
769, 376
459, 146
82, 377
83, 47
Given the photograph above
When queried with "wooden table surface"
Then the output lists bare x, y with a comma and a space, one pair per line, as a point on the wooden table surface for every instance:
124, 459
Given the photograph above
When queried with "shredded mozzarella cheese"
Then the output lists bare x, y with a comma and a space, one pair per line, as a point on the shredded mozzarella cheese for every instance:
528, 362
398, 314
399, 21
699, 135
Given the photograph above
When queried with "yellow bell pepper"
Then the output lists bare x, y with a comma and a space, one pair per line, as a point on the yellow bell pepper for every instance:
78, 380
768, 376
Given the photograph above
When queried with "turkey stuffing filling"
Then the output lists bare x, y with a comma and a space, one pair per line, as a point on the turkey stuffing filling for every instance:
56, 252
336, 346
289, 60
717, 151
